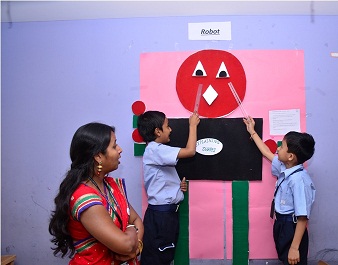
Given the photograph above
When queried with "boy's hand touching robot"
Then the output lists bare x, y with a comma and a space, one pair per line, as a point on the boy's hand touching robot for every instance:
194, 119
184, 185
250, 124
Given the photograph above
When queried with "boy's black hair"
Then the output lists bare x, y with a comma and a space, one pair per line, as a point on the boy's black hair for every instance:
300, 144
148, 122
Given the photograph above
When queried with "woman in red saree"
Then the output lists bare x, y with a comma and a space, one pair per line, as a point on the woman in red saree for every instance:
93, 221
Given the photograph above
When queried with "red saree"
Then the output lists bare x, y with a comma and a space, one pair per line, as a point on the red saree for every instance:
88, 249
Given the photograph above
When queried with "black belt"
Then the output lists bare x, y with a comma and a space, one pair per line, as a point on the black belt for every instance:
286, 217
164, 207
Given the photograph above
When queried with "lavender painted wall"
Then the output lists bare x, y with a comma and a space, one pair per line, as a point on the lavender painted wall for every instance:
56, 76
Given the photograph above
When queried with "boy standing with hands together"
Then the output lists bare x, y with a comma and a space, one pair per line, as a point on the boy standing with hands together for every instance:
163, 185
294, 193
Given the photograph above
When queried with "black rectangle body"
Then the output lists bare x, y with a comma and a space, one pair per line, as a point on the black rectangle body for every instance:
239, 158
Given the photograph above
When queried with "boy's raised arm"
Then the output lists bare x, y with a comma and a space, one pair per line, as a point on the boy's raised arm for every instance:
265, 150
190, 148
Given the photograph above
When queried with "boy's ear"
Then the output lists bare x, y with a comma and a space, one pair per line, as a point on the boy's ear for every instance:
292, 157
157, 132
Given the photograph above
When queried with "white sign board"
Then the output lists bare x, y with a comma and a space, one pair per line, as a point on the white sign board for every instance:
210, 31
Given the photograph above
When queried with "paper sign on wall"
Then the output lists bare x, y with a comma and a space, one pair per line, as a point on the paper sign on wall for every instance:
210, 31
283, 121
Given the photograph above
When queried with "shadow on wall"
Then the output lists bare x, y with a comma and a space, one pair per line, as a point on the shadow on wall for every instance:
326, 257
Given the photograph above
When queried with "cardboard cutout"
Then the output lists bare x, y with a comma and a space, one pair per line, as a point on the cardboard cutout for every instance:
214, 70
224, 150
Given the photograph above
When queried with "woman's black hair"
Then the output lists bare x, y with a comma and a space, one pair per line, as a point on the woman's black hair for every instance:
148, 122
88, 141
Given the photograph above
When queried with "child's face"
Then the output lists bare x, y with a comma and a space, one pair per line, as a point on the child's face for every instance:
163, 136
282, 151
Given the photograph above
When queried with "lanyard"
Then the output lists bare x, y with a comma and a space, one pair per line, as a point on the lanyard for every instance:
272, 209
297, 170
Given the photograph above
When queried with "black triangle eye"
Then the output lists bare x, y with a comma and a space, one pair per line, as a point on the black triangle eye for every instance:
199, 70
223, 72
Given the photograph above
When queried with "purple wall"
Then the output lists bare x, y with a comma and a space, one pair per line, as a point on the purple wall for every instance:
56, 76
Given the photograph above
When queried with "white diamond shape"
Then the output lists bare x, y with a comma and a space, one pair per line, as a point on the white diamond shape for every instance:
210, 95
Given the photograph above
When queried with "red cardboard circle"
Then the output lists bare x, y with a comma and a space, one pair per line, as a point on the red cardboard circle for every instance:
272, 145
138, 107
137, 137
223, 81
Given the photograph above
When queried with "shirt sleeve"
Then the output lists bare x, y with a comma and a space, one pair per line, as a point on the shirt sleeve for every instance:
276, 167
81, 200
303, 195
164, 155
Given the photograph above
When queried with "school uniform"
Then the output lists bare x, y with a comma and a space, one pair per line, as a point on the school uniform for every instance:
294, 197
161, 220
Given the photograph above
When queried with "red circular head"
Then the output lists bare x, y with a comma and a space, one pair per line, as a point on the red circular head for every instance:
217, 71
138, 108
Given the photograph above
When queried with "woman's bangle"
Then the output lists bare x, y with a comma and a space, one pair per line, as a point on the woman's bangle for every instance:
128, 226
252, 135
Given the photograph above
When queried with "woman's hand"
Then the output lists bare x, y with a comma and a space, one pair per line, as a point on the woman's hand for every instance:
124, 257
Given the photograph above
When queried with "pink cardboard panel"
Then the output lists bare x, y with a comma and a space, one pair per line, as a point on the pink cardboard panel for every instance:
275, 81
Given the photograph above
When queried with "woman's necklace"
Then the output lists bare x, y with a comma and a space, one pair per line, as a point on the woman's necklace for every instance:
108, 201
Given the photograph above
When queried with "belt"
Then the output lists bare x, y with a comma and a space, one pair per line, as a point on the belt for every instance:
164, 207
286, 217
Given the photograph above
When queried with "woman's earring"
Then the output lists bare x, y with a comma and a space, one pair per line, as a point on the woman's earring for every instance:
99, 168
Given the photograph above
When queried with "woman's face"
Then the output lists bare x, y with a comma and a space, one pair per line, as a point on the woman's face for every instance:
110, 161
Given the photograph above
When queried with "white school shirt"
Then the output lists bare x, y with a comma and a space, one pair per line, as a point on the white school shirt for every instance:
161, 180
297, 192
